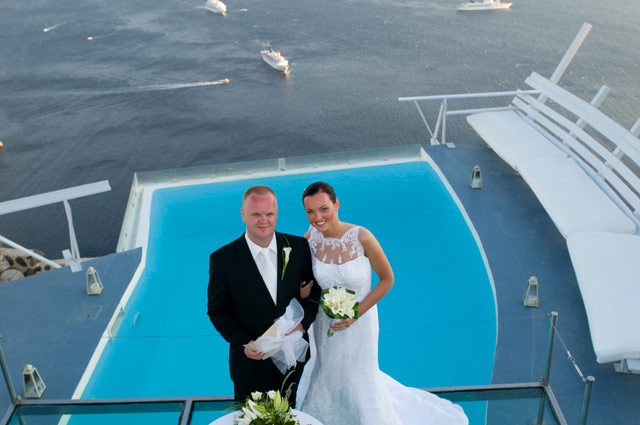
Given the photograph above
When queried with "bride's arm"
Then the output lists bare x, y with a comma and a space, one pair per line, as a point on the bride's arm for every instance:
381, 266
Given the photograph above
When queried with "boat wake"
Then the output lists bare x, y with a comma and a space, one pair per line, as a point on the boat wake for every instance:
176, 86
95, 37
150, 88
47, 29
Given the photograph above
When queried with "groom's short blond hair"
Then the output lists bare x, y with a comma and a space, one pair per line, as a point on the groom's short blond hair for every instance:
259, 190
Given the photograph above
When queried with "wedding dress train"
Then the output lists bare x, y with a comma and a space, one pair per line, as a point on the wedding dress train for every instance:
346, 385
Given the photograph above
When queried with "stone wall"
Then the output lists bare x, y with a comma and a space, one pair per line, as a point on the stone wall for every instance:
15, 264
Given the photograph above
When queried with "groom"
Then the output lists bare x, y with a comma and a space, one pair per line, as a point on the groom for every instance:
250, 285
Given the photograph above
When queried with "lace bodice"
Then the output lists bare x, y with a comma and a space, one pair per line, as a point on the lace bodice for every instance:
341, 262
336, 251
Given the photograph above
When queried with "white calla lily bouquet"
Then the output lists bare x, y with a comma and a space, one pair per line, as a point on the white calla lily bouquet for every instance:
270, 408
339, 303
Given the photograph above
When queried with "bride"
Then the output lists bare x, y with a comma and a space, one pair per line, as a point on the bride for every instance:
346, 385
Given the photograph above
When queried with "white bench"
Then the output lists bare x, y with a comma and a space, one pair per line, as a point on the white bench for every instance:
588, 182
608, 269
573, 175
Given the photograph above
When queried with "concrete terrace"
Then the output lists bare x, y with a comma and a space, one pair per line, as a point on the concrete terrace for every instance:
49, 321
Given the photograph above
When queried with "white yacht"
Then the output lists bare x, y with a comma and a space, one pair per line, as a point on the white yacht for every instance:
484, 5
216, 6
275, 59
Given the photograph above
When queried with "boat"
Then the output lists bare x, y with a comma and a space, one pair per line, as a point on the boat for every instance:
216, 6
275, 59
484, 5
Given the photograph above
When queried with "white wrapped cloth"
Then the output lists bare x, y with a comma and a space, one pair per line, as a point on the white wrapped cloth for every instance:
285, 350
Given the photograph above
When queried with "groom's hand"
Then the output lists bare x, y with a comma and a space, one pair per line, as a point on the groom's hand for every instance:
305, 289
297, 328
253, 355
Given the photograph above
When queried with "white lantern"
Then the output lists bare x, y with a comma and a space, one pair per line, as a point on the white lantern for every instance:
94, 284
530, 298
32, 382
476, 178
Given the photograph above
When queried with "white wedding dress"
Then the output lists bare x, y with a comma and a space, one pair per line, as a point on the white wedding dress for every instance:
346, 385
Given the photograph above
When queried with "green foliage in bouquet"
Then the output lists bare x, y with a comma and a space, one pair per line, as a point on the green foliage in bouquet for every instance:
270, 408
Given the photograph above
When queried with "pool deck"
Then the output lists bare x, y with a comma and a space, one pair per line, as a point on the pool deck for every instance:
49, 321
59, 326
520, 241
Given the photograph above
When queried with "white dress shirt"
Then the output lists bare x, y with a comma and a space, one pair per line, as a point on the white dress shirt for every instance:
270, 276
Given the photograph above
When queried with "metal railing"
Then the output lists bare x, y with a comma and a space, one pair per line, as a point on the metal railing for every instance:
181, 410
72, 255
587, 381
441, 120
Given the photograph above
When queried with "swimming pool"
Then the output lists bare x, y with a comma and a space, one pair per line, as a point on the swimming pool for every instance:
437, 324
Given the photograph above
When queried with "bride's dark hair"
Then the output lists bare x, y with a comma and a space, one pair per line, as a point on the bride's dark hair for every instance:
318, 187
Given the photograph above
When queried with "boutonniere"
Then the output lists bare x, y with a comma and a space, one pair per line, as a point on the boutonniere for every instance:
285, 257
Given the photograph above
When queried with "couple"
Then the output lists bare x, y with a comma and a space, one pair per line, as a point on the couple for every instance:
248, 291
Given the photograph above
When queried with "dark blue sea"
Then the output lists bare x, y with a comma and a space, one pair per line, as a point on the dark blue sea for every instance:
75, 110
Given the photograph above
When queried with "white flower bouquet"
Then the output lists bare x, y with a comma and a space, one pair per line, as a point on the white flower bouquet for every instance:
339, 304
267, 409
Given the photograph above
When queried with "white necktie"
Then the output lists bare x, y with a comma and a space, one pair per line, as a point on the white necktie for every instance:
268, 272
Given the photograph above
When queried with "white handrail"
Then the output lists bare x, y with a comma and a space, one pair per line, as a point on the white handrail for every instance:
468, 95
635, 129
571, 52
64, 195
442, 115
441, 120
29, 252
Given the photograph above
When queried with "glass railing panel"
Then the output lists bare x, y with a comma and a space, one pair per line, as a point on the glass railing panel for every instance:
208, 411
275, 165
116, 413
483, 407
521, 355
455, 351
503, 407
216, 171
352, 158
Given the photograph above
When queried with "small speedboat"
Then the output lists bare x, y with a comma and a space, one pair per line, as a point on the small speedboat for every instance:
484, 5
216, 6
275, 59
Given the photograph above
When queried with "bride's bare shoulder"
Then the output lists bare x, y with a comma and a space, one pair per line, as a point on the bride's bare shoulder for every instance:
365, 236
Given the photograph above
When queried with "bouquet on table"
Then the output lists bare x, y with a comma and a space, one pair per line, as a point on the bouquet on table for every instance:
340, 304
271, 408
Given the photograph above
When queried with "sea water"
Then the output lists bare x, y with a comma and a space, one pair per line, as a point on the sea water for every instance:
111, 88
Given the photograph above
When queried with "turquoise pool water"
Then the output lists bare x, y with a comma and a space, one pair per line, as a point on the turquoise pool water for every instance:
437, 324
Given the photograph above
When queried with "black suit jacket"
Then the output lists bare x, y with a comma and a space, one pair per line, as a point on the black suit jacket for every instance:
240, 306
